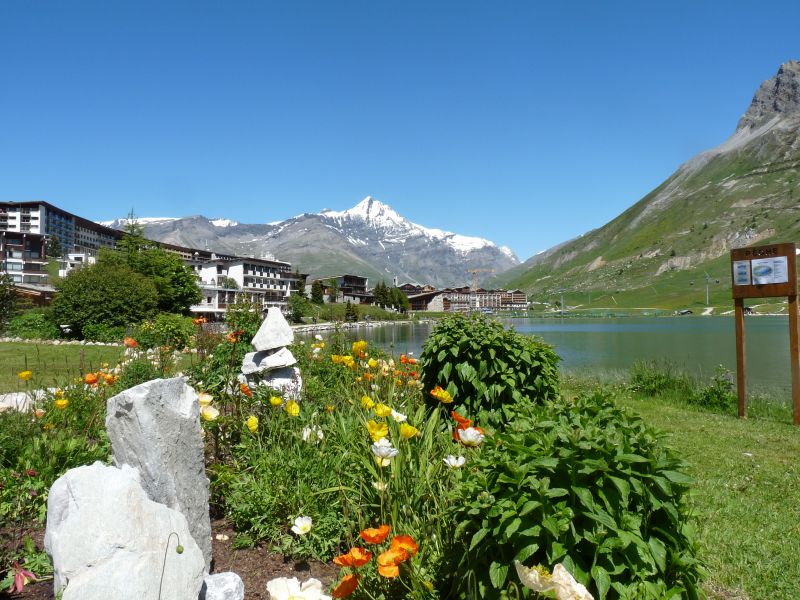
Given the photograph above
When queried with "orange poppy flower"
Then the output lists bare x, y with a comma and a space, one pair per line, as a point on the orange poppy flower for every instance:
356, 557
245, 390
388, 562
345, 587
373, 535
90, 378
463, 422
130, 342
403, 359
109, 378
412, 361
405, 543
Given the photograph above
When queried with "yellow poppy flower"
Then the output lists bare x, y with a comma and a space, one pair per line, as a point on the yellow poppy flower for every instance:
408, 431
382, 410
275, 401
62, 403
372, 363
377, 430
252, 423
25, 375
292, 408
367, 402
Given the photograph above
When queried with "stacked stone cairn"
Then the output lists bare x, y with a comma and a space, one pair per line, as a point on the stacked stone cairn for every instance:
272, 363
141, 528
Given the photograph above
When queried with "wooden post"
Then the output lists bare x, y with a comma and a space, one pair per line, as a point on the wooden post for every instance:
741, 377
794, 357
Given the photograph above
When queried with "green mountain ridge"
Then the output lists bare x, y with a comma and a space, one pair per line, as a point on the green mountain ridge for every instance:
660, 252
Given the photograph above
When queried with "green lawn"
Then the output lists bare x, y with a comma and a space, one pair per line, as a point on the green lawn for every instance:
745, 500
51, 365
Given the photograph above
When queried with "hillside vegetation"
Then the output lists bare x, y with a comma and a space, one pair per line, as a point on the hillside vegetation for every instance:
658, 252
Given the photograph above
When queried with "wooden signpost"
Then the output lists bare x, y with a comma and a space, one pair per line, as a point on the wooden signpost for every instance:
766, 272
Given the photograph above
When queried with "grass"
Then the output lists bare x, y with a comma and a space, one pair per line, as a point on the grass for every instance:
51, 365
747, 479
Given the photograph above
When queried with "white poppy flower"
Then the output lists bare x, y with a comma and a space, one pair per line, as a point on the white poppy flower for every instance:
383, 449
454, 462
470, 437
561, 582
312, 434
399, 417
284, 588
302, 525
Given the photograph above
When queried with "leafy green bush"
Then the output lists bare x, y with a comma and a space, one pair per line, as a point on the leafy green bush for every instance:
98, 332
585, 485
659, 377
720, 394
33, 324
165, 331
485, 367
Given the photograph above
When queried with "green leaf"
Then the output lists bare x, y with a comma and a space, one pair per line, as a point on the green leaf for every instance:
476, 539
631, 458
512, 527
601, 580
659, 552
498, 573
676, 477
585, 496
623, 487
526, 552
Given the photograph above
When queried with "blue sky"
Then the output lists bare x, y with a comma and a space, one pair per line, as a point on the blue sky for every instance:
527, 123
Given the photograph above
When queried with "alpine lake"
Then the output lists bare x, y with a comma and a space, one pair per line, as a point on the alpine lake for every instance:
601, 346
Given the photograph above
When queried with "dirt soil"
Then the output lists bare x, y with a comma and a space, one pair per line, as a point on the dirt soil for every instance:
255, 566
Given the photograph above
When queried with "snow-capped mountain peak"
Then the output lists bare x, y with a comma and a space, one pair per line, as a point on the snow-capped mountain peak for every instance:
394, 228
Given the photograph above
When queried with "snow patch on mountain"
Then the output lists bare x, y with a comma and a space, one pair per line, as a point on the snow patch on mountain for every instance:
223, 223
116, 223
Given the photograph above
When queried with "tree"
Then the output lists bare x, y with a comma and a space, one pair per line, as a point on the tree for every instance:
299, 307
317, 292
105, 294
229, 283
7, 299
381, 293
54, 249
399, 300
333, 295
175, 282
350, 313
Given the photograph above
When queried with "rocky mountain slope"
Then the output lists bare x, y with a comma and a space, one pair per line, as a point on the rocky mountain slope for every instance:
369, 239
660, 251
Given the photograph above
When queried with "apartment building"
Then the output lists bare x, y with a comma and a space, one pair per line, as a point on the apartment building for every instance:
465, 299
26, 228
228, 279
75, 234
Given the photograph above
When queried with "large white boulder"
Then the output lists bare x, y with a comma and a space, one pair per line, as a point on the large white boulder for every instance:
268, 360
274, 332
223, 586
107, 539
155, 427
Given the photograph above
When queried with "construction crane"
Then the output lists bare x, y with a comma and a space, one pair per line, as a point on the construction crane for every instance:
473, 301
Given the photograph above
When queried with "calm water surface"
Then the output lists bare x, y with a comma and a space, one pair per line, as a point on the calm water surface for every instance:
695, 344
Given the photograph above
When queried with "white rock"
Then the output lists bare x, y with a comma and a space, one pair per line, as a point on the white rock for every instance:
155, 427
286, 381
107, 539
222, 586
274, 332
255, 362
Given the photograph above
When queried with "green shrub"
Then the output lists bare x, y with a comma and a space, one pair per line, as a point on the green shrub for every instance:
485, 367
585, 485
656, 378
33, 324
719, 395
98, 332
165, 331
